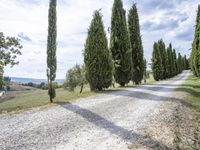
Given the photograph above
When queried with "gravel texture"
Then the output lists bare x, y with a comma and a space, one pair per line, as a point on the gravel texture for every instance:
114, 121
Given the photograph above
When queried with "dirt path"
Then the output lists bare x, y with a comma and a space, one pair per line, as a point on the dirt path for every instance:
130, 119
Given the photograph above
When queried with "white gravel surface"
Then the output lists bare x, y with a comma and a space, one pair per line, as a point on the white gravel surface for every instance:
112, 121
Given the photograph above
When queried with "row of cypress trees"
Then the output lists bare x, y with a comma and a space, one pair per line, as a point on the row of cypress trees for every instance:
165, 62
123, 60
195, 55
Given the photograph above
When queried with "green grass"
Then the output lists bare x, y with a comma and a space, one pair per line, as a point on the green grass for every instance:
192, 87
24, 101
40, 98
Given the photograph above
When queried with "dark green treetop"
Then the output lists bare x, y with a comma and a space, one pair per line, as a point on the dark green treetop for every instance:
136, 45
51, 48
120, 44
97, 57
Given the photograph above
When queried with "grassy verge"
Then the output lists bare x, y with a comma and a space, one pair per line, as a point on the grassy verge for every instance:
24, 101
38, 98
192, 87
187, 119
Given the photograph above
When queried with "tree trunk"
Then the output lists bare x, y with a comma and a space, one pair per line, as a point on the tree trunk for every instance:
50, 92
113, 84
81, 87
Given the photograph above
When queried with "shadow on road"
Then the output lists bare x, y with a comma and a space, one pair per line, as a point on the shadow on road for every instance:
121, 132
168, 88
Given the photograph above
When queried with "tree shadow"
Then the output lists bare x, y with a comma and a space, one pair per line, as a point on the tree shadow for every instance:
175, 85
139, 95
149, 96
124, 134
165, 88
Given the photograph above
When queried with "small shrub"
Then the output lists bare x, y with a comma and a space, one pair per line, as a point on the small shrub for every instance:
74, 77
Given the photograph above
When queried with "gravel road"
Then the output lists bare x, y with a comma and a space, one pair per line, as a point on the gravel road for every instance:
112, 121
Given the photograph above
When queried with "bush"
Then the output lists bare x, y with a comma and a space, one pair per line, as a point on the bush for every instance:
74, 77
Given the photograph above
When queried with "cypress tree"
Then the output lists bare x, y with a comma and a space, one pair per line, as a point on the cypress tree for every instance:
51, 49
136, 45
179, 63
1, 75
163, 54
97, 57
186, 63
145, 70
157, 63
169, 56
174, 65
195, 58
120, 44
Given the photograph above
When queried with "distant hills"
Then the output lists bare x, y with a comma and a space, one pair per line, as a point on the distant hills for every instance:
36, 81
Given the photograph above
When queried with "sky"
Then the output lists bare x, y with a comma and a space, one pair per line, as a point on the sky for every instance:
171, 20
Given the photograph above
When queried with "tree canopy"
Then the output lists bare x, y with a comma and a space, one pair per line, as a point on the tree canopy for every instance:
51, 48
136, 45
10, 48
120, 44
97, 57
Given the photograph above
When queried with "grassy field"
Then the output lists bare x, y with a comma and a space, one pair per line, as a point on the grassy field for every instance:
192, 87
38, 98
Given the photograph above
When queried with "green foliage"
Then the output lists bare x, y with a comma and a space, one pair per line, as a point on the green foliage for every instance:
180, 63
52, 92
42, 85
97, 57
145, 70
51, 49
195, 55
165, 63
75, 77
170, 61
120, 44
186, 63
9, 50
163, 54
136, 45
174, 64
157, 63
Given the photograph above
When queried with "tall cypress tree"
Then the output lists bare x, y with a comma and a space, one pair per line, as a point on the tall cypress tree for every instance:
179, 63
157, 63
186, 63
136, 45
97, 57
161, 46
195, 56
170, 62
145, 70
51, 49
120, 44
174, 65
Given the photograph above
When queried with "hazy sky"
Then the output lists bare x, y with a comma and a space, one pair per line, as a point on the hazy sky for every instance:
172, 20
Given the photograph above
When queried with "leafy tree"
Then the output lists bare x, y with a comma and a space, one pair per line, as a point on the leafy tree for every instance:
195, 56
74, 77
120, 44
51, 49
157, 63
97, 57
9, 50
136, 45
